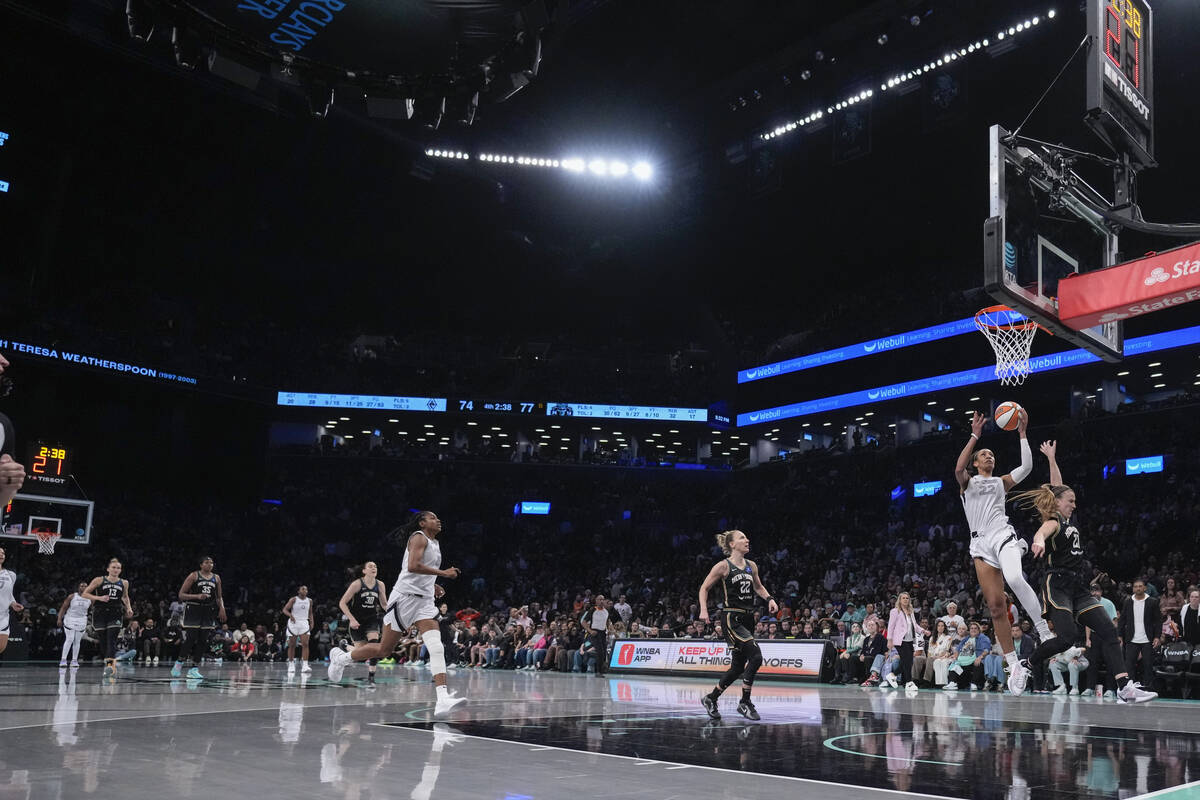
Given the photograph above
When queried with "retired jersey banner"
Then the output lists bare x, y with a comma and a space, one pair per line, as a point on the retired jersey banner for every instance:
787, 659
1128, 290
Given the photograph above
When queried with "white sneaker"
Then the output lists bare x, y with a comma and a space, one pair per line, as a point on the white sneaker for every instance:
306, 667
951, 687
974, 688
1075, 692
446, 704
291, 668
1018, 678
1060, 689
338, 659
911, 686
1110, 695
74, 663
1134, 693
62, 663
891, 681
155, 661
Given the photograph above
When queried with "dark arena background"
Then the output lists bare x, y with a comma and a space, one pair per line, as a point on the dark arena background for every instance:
594, 281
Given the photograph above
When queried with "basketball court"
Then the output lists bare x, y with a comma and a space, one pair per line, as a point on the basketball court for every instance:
528, 735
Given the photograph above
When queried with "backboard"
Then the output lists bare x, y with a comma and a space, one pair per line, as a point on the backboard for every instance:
29, 513
1038, 232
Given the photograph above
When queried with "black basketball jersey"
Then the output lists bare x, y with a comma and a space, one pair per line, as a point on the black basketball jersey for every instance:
206, 587
1064, 550
365, 602
738, 586
116, 592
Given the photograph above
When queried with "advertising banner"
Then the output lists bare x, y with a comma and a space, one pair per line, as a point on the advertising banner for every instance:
1128, 290
786, 659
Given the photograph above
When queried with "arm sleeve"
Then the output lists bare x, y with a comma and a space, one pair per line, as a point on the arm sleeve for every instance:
1022, 472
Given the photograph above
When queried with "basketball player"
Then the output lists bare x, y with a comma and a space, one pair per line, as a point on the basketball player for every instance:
72, 618
12, 474
1066, 594
8, 579
110, 593
739, 581
299, 611
363, 605
995, 547
411, 603
204, 606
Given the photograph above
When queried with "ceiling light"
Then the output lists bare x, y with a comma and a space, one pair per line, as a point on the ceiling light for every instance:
344, 419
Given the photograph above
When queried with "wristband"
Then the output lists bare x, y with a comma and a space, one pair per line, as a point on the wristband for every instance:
974, 435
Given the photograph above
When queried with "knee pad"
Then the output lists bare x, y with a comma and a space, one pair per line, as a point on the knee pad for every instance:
437, 654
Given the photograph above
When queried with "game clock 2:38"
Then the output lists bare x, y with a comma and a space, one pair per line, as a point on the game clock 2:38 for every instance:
47, 466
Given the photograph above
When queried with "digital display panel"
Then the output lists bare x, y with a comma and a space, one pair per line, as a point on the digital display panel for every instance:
536, 507
500, 406
48, 467
927, 489
1143, 465
1140, 345
666, 413
868, 348
368, 401
1120, 76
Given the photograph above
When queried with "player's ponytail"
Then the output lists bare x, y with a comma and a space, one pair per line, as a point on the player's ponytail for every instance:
1042, 499
723, 540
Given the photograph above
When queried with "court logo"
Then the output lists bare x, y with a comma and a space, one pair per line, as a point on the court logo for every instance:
626, 656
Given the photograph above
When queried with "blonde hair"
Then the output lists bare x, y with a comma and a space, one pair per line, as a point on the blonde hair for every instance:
903, 594
723, 540
1042, 499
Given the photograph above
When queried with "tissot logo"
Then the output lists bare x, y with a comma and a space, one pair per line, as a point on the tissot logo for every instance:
1122, 86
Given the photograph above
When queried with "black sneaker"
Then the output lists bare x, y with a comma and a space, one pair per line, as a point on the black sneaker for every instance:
710, 705
747, 710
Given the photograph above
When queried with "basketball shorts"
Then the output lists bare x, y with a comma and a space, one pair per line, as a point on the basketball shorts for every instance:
4, 621
404, 610
987, 546
103, 622
199, 616
1066, 592
365, 627
737, 625
295, 628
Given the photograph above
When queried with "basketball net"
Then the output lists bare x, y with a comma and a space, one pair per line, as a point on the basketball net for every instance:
1011, 337
46, 542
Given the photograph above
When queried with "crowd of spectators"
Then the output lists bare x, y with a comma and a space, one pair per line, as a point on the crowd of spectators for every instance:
832, 544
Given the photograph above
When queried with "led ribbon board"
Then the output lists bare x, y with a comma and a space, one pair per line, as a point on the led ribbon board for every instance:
665, 413
1144, 465
869, 348
954, 380
370, 401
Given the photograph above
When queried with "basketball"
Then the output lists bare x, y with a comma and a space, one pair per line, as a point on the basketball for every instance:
1008, 414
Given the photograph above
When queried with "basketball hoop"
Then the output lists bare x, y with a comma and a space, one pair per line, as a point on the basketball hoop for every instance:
46, 542
1011, 336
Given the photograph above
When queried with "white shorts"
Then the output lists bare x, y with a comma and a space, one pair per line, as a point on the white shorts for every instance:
295, 628
405, 609
4, 622
987, 546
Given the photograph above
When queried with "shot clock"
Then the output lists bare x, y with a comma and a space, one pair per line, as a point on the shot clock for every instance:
48, 468
1120, 77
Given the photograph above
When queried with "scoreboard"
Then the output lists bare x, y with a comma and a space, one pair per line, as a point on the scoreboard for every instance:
1120, 78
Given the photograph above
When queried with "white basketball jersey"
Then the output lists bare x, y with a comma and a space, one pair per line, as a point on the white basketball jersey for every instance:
983, 502
7, 579
300, 607
420, 584
76, 617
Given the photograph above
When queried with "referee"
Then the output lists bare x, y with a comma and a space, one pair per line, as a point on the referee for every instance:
12, 474
595, 622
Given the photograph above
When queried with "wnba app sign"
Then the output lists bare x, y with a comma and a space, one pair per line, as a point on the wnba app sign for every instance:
645, 656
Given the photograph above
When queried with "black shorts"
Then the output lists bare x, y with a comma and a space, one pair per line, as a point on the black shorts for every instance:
738, 626
199, 617
1063, 591
104, 623
359, 634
